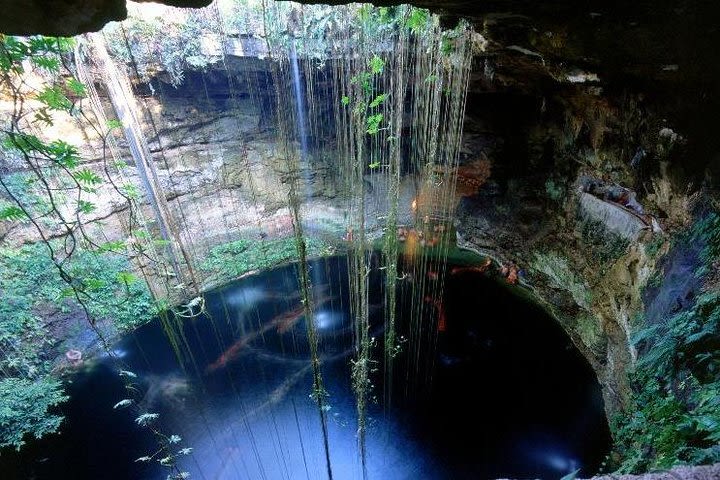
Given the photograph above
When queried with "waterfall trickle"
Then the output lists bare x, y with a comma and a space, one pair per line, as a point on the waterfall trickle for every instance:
123, 101
300, 106
301, 120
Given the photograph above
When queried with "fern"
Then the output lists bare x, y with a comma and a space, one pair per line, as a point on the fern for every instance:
88, 177
12, 214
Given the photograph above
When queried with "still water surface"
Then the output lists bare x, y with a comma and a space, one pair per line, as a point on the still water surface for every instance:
499, 392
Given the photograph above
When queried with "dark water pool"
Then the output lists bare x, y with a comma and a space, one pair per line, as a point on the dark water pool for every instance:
496, 391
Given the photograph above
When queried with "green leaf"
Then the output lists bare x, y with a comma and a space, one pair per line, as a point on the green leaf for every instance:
54, 98
114, 246
87, 177
26, 408
362, 79
114, 124
130, 191
76, 87
42, 115
345, 100
66, 293
12, 213
126, 277
418, 20
93, 284
374, 165
24, 142
373, 123
51, 64
63, 153
378, 100
86, 207
376, 65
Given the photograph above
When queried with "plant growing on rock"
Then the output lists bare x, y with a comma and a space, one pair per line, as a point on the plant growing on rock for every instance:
674, 416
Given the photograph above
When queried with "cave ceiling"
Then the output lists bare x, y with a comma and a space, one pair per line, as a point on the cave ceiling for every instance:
666, 49
661, 40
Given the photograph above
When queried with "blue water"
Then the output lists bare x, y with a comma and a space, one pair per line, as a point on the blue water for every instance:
501, 393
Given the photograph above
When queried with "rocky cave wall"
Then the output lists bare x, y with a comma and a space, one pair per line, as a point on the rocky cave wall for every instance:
216, 153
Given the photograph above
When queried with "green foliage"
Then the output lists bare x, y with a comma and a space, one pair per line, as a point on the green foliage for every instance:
373, 123
11, 213
364, 79
376, 65
54, 98
378, 100
76, 87
87, 177
380, 22
675, 413
43, 52
30, 280
707, 231
234, 259
26, 408
114, 124
418, 20
30, 283
160, 44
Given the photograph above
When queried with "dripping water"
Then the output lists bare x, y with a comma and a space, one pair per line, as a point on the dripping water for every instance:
121, 100
300, 108
301, 120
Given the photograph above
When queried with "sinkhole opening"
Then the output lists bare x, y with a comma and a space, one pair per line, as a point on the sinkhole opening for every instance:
483, 384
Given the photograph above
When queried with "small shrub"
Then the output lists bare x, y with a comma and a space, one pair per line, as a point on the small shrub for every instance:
234, 259
26, 409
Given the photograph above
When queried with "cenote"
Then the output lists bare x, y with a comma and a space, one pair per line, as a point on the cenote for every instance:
490, 386
257, 239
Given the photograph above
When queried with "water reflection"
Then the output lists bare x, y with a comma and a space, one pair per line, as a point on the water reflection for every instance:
503, 396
